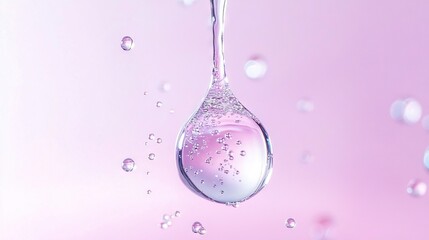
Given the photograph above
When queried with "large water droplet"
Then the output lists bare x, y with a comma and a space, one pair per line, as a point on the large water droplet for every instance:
406, 110
128, 165
416, 188
290, 223
255, 68
221, 126
127, 43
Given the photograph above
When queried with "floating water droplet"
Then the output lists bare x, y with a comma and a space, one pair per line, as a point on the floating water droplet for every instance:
165, 87
290, 223
169, 222
255, 68
158, 104
220, 119
426, 159
416, 188
145, 93
127, 43
164, 225
196, 226
151, 156
425, 122
305, 106
159, 140
187, 2
166, 217
202, 231
149, 191
171, 111
151, 136
243, 153
406, 110
177, 214
128, 165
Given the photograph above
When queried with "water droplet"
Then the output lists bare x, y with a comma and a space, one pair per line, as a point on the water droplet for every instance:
166, 217
426, 159
255, 68
217, 125
165, 87
164, 225
177, 214
127, 43
406, 110
290, 223
202, 181
159, 140
305, 106
202, 231
145, 93
171, 111
158, 104
151, 156
196, 226
243, 153
425, 123
238, 142
151, 136
187, 2
128, 165
149, 191
416, 188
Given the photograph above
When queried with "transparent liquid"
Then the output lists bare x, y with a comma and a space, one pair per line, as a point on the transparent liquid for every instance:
223, 152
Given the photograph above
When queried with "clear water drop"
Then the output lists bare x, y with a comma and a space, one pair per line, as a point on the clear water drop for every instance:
426, 159
158, 104
166, 217
408, 110
305, 106
187, 2
169, 222
171, 111
416, 188
128, 165
243, 153
177, 214
196, 227
151, 136
151, 156
127, 43
220, 119
202, 231
164, 225
165, 87
159, 140
149, 191
425, 122
255, 68
290, 223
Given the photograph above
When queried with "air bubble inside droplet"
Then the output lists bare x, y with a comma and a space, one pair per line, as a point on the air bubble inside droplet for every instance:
406, 110
255, 68
128, 165
127, 43
416, 188
290, 223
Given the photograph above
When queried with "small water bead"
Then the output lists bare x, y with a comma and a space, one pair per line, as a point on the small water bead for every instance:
171, 111
416, 188
290, 223
165, 87
177, 214
426, 159
151, 156
127, 43
158, 104
238, 142
255, 68
151, 136
196, 227
166, 217
159, 140
425, 122
187, 2
128, 165
305, 106
202, 231
406, 110
145, 93
164, 225
149, 191
228, 135
243, 153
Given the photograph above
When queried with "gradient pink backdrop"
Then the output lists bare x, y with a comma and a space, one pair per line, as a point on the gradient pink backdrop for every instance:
72, 108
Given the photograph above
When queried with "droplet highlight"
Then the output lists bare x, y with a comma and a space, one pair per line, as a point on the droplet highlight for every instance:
255, 68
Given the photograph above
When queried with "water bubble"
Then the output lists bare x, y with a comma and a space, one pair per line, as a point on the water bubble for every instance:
425, 123
166, 217
158, 104
416, 188
196, 227
151, 156
243, 153
187, 2
164, 225
171, 111
305, 106
238, 142
228, 135
255, 68
406, 110
177, 214
149, 191
165, 87
290, 223
202, 231
127, 43
159, 140
426, 159
145, 93
151, 136
128, 165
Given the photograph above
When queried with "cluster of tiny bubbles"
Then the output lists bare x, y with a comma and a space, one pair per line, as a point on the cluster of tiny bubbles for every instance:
128, 165
290, 223
426, 159
255, 68
305, 106
167, 220
408, 110
425, 123
197, 227
127, 43
165, 87
416, 188
151, 156
187, 2
158, 104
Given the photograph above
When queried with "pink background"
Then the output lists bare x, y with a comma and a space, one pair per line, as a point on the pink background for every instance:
72, 108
